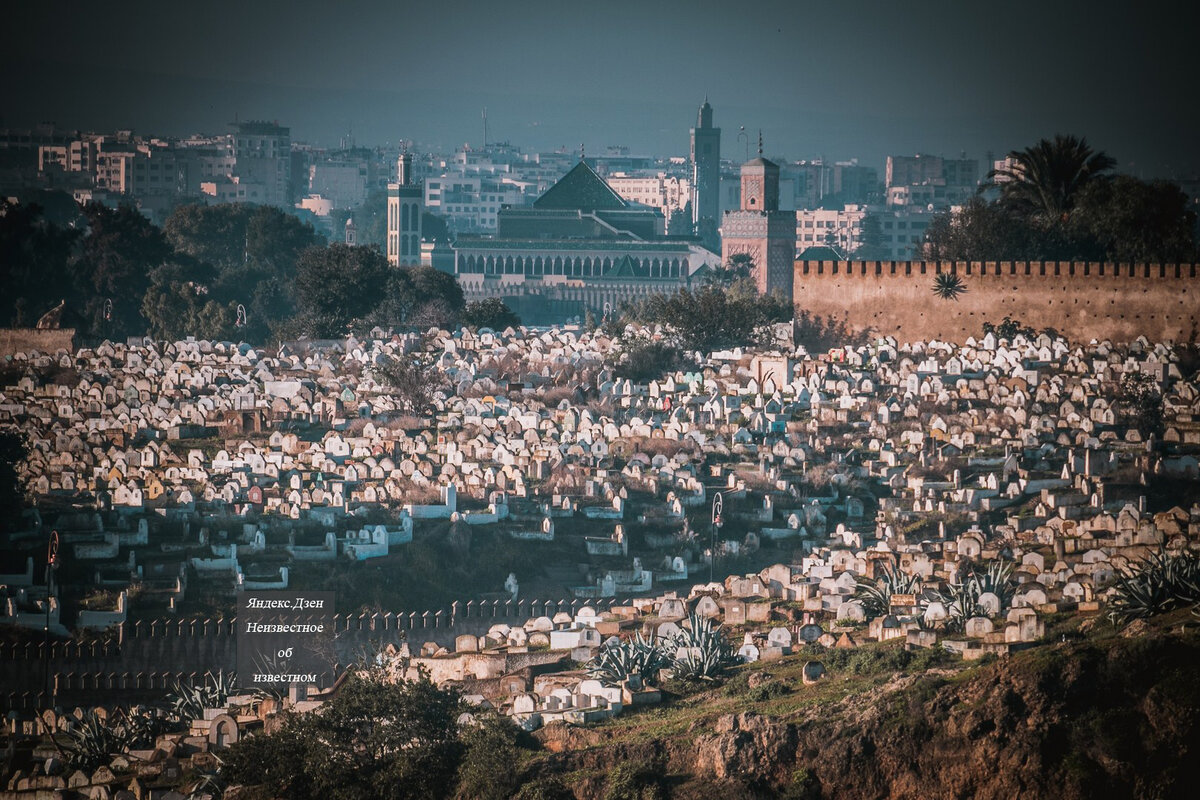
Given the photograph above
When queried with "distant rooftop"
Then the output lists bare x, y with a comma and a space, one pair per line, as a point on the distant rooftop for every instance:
581, 189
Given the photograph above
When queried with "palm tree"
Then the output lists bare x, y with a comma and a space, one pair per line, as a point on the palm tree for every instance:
948, 286
1045, 180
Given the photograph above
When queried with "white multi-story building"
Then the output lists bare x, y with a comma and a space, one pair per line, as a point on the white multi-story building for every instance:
900, 232
667, 193
470, 203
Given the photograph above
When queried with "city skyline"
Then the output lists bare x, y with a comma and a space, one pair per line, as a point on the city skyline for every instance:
819, 82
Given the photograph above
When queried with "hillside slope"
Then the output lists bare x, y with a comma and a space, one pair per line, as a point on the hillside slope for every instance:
1102, 715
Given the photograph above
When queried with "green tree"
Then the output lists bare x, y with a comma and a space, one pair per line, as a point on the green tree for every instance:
489, 313
739, 266
487, 768
1141, 403
870, 237
337, 286
255, 251
710, 318
642, 359
990, 231
373, 739
411, 378
1136, 221
35, 255
1046, 179
117, 256
233, 235
177, 304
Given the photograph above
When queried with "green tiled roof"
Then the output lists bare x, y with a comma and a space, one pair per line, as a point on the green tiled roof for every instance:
581, 189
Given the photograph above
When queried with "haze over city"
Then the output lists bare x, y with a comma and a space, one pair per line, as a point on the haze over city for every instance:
856, 80
549, 401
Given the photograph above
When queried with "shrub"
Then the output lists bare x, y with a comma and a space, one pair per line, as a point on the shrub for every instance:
628, 782
1159, 583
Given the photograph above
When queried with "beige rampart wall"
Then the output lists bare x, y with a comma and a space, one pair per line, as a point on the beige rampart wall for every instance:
1081, 300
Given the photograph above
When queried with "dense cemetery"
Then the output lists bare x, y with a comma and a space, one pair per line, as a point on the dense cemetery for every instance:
945, 496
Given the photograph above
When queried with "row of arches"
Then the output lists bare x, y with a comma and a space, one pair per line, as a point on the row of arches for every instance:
577, 266
404, 217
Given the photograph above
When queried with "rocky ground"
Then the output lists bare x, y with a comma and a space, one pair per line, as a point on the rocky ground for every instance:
1092, 712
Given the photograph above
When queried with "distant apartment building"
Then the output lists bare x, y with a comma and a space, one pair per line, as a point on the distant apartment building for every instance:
470, 203
342, 182
262, 153
139, 169
930, 181
1004, 165
670, 194
899, 234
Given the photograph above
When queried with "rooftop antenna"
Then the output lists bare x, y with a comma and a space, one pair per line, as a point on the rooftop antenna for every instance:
485, 126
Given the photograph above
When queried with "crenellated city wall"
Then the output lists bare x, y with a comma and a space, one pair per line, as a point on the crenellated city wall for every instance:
47, 341
1081, 300
144, 659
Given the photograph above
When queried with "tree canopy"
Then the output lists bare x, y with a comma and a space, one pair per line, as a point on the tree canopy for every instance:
1058, 202
711, 318
1046, 179
376, 739
489, 313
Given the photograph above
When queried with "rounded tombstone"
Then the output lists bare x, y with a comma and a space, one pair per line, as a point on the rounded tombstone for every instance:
989, 602
749, 653
935, 612
813, 672
852, 611
978, 627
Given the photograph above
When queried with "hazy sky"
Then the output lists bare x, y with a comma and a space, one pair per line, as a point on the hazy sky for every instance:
833, 79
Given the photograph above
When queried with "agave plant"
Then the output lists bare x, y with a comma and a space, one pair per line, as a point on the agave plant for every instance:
1159, 583
700, 651
142, 725
876, 595
618, 660
961, 600
949, 286
961, 597
92, 741
188, 702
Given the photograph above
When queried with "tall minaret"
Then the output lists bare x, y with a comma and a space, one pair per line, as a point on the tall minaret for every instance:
760, 230
405, 204
706, 178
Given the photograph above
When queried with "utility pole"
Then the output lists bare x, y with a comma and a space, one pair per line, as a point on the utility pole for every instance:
51, 566
717, 505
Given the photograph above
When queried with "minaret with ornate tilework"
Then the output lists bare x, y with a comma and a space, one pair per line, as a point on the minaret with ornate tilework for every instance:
759, 229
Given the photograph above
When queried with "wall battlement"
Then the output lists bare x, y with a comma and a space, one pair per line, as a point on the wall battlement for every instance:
140, 656
1082, 300
46, 341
